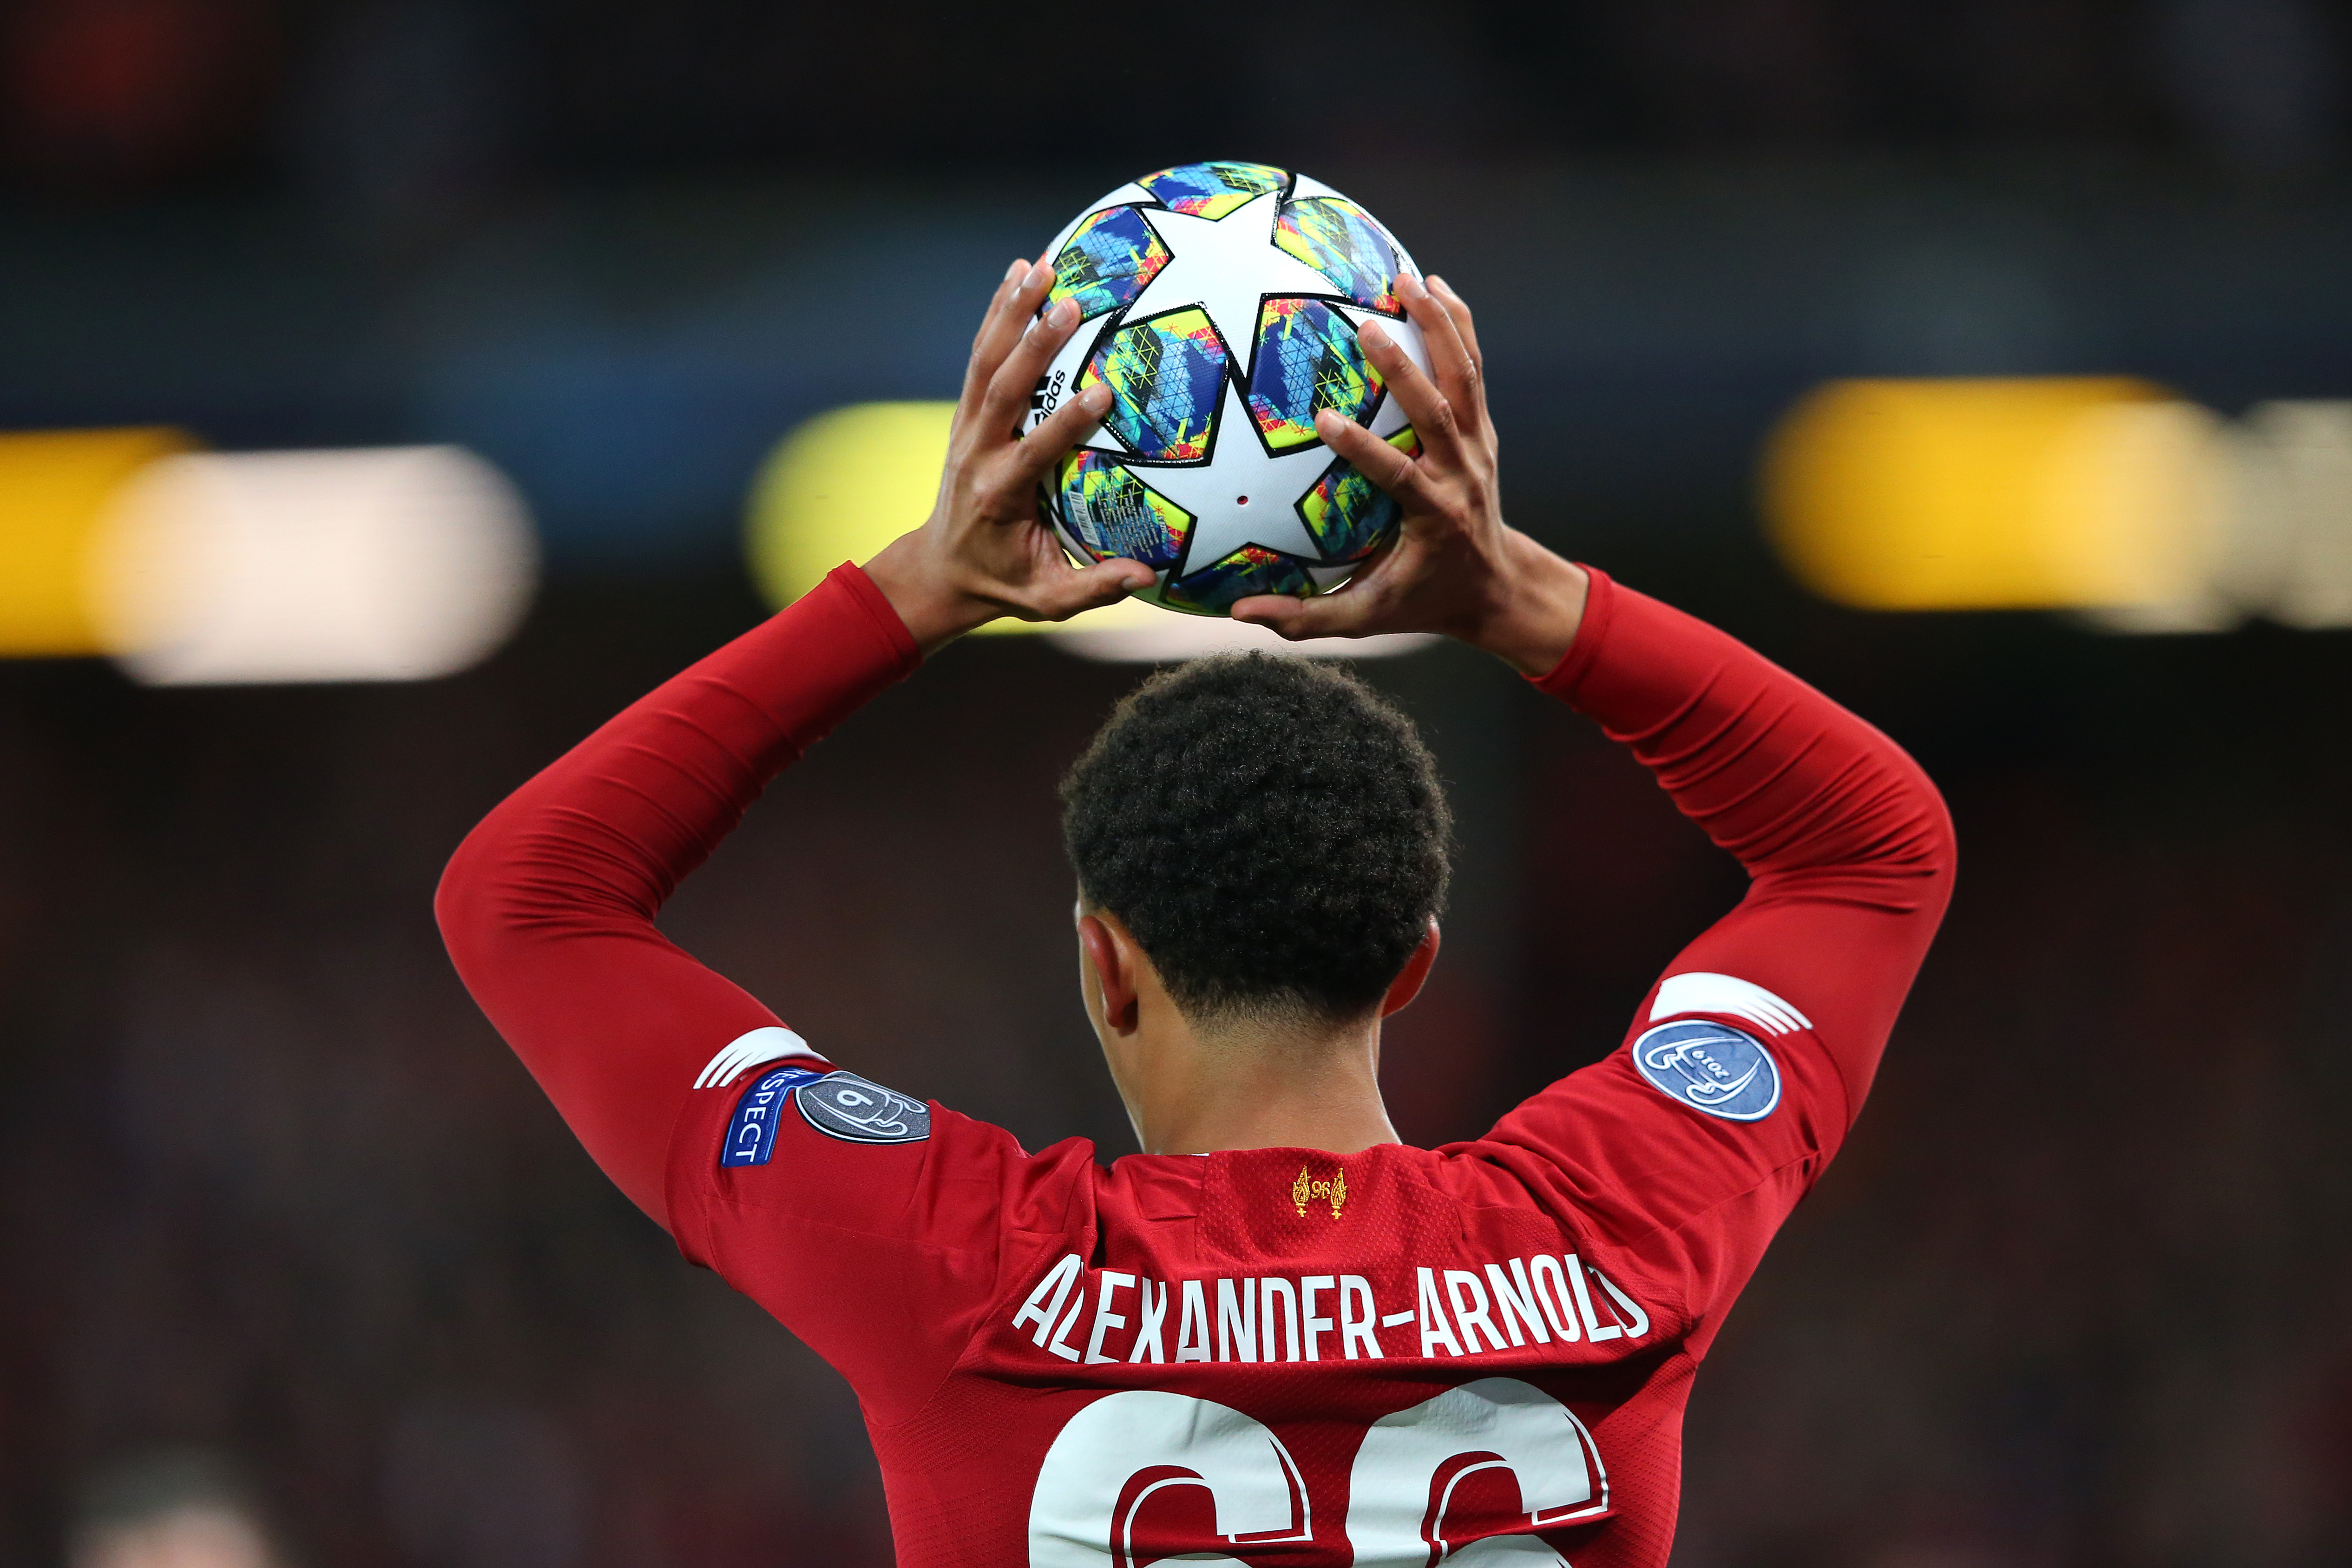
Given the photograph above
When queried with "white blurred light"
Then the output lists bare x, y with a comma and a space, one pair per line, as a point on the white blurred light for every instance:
391, 564
1134, 631
2147, 495
195, 1534
2293, 470
2276, 540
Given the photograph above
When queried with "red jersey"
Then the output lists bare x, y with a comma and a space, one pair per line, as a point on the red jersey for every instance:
1477, 1353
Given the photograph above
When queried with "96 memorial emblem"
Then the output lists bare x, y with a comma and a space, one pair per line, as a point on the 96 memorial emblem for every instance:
845, 1106
1709, 1067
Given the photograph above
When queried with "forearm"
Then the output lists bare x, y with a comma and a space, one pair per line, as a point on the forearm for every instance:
548, 907
1775, 772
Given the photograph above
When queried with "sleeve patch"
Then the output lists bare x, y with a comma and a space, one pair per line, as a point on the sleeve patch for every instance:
1729, 995
845, 1106
752, 1135
1711, 1068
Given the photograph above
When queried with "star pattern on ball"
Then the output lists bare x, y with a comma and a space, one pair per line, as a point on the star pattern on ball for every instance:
1227, 267
1274, 483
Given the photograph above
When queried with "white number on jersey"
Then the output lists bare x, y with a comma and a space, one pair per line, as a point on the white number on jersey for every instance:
1122, 1450
1119, 1452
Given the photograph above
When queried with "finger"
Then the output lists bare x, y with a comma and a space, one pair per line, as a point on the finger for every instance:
972, 380
1000, 333
1358, 608
1006, 401
1295, 620
1459, 308
1449, 356
1090, 588
1393, 471
1426, 406
1011, 280
1066, 426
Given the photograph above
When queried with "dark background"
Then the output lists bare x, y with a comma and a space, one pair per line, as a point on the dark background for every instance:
272, 1193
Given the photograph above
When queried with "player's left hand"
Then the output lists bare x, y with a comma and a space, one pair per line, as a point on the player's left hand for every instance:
985, 552
1455, 566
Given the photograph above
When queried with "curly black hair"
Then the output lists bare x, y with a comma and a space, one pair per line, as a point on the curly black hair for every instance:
1272, 831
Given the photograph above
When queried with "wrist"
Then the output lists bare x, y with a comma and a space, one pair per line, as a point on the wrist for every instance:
1539, 610
935, 610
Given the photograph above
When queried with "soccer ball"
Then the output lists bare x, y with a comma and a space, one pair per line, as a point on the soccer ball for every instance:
1219, 303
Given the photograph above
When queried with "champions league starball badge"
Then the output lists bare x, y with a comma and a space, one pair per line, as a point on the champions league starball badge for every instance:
1710, 1067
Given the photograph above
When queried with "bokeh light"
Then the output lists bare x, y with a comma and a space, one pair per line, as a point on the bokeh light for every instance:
389, 564
1994, 494
840, 487
2102, 496
54, 488
195, 1535
173, 1509
2292, 489
194, 567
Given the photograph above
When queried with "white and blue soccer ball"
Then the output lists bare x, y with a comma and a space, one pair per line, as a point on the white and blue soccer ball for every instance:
1219, 303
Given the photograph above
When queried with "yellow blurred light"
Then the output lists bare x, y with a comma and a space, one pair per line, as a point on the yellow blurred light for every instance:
849, 482
54, 488
2047, 493
840, 487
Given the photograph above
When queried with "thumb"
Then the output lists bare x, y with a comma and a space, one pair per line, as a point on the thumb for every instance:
1324, 615
1105, 582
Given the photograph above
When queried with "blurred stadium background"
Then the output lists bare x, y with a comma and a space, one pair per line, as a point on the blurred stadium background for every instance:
1978, 359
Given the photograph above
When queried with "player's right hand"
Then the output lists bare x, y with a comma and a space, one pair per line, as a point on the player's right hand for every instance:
1455, 566
985, 552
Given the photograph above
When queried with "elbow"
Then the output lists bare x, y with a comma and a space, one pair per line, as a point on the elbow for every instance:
1946, 837
1885, 838
1925, 847
1938, 842
465, 902
525, 877
1943, 853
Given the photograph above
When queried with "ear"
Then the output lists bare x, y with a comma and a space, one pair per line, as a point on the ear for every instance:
1112, 954
1408, 983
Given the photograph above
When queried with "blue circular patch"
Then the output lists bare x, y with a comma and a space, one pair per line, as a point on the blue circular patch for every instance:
1710, 1067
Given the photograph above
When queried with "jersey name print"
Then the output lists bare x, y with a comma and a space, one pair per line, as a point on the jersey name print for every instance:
1455, 1312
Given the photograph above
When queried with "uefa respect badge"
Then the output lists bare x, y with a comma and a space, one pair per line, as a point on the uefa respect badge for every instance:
1711, 1068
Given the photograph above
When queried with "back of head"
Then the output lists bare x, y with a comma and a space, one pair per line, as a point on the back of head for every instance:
1271, 830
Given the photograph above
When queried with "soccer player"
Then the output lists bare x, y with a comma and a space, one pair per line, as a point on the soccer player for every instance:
1276, 1336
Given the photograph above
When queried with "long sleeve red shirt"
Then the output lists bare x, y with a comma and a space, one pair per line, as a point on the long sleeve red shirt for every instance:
1474, 1354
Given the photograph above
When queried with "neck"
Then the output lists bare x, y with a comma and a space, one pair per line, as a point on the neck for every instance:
1243, 1087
